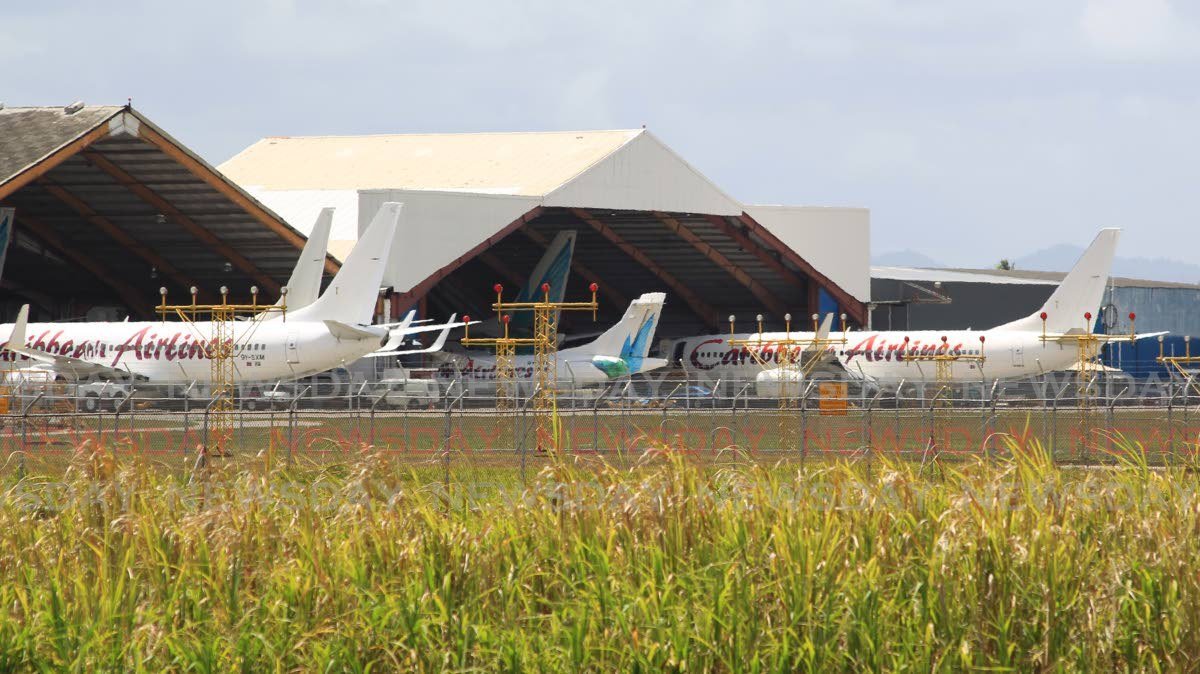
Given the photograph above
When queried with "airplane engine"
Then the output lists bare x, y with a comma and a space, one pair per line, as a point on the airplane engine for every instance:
771, 383
612, 367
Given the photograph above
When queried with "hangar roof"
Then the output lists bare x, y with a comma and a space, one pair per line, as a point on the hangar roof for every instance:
526, 164
637, 200
109, 208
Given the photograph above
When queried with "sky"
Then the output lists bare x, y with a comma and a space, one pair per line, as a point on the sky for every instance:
972, 130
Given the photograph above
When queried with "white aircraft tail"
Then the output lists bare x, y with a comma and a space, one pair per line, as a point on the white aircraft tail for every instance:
631, 337
1080, 292
305, 285
354, 292
16, 338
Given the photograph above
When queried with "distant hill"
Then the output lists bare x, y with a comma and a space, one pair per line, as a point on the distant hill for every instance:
1062, 256
905, 258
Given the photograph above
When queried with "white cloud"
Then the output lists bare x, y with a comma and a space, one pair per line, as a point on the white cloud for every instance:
586, 101
1133, 29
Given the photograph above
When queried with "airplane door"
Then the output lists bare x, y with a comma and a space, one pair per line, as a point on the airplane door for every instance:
293, 349
1018, 356
677, 356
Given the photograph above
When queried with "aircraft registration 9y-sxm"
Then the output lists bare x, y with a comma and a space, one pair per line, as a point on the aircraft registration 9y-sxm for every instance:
1013, 350
322, 333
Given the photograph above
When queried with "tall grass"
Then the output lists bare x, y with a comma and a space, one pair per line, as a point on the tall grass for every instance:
667, 566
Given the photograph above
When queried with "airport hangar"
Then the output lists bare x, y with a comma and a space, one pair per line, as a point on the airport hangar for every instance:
480, 208
109, 208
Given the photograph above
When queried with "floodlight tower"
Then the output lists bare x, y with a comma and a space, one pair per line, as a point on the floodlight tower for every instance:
220, 345
787, 358
1178, 365
943, 358
545, 352
1087, 344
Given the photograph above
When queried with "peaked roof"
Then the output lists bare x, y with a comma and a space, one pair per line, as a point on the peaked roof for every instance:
128, 208
522, 164
28, 135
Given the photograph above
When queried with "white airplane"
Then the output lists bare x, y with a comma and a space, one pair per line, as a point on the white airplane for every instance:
329, 332
1013, 350
618, 352
304, 287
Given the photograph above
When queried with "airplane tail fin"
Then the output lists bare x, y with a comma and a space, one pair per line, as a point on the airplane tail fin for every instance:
554, 268
305, 284
354, 292
1080, 292
823, 329
16, 338
630, 339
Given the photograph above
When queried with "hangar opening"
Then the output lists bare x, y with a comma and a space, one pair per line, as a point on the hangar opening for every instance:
106, 208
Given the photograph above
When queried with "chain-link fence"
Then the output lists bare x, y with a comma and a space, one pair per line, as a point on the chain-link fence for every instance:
443, 428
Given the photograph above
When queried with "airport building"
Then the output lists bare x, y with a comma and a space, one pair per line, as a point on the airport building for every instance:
480, 208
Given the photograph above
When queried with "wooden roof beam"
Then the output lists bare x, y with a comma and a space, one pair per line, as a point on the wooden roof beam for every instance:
751, 246
132, 297
119, 235
230, 191
152, 198
768, 299
707, 313
502, 269
854, 308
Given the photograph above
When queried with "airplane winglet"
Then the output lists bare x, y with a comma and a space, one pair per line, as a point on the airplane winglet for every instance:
16, 338
823, 329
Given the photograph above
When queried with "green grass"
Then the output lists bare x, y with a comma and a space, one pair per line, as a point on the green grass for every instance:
664, 565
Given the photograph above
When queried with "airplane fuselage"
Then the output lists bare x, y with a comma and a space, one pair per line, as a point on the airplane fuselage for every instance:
176, 352
580, 367
880, 356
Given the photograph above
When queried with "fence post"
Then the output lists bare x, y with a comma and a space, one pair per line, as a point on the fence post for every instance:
1112, 440
25, 431
1171, 418
207, 411
187, 427
596, 415
292, 421
991, 430
376, 403
804, 422
525, 428
870, 430
737, 420
240, 444
117, 417
1186, 385
712, 429
446, 443
1054, 425
625, 417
